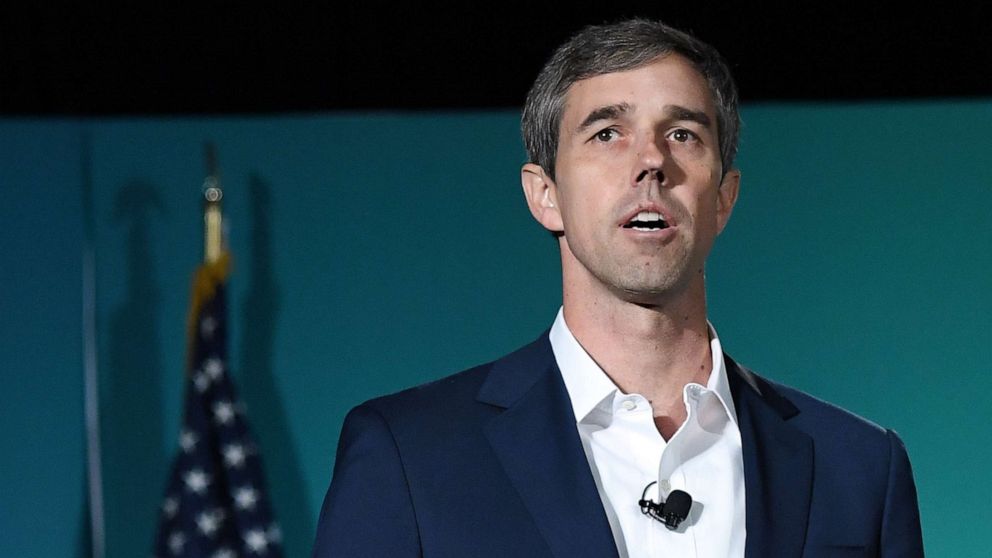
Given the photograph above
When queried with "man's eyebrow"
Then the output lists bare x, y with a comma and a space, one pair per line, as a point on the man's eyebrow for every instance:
608, 112
676, 112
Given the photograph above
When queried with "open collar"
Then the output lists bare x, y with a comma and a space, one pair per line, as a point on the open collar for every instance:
589, 386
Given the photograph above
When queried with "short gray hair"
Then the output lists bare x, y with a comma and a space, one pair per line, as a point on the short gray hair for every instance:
605, 49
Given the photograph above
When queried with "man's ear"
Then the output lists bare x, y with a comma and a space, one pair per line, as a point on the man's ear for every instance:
726, 198
542, 197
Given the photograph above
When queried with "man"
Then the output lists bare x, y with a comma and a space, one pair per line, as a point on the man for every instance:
572, 445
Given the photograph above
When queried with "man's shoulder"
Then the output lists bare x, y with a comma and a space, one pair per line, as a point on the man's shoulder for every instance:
825, 421
435, 396
820, 411
465, 393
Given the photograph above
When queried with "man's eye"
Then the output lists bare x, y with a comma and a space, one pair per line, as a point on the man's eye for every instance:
608, 134
682, 135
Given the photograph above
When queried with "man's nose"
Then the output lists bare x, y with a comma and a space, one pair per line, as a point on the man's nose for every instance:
650, 163
657, 173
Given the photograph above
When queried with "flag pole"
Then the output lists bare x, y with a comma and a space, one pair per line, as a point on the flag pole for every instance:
213, 244
216, 261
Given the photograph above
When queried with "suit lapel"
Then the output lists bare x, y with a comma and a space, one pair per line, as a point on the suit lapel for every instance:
536, 442
778, 467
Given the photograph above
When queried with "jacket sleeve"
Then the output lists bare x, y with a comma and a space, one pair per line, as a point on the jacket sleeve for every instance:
367, 510
901, 534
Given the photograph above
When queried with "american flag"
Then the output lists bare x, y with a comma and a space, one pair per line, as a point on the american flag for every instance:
215, 504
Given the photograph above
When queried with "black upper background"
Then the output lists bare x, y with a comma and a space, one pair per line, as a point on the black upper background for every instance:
241, 58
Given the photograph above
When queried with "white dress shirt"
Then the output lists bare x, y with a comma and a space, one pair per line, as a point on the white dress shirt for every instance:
626, 453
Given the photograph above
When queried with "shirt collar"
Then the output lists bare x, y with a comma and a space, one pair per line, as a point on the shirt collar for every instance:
585, 381
718, 381
588, 385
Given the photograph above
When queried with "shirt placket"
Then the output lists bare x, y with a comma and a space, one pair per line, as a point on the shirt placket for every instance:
645, 447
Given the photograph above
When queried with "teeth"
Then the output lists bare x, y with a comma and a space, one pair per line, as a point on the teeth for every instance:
647, 216
647, 221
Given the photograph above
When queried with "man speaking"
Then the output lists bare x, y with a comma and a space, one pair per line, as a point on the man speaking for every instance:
624, 430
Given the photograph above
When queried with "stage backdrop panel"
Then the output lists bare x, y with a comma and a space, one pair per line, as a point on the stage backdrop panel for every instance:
376, 251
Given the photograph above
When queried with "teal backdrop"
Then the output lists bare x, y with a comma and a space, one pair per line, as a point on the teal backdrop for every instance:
377, 251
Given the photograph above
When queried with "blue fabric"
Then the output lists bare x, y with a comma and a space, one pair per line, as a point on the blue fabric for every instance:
488, 462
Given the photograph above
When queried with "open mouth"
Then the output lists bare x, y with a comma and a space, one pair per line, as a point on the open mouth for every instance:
647, 221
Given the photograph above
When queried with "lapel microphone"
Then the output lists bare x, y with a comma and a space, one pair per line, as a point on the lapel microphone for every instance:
671, 512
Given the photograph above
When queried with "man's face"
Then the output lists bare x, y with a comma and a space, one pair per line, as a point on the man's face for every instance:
638, 189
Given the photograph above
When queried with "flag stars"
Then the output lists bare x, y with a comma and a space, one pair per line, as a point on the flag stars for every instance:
197, 481
234, 455
201, 381
213, 368
176, 543
275, 533
245, 498
188, 440
223, 412
170, 506
208, 325
219, 516
209, 522
256, 541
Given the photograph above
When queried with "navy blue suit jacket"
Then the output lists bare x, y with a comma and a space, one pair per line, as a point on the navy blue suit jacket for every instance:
488, 462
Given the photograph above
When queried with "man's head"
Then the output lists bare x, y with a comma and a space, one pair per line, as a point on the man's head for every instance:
631, 145
627, 45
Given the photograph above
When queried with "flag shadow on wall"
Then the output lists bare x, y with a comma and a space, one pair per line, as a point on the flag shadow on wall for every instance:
131, 398
259, 312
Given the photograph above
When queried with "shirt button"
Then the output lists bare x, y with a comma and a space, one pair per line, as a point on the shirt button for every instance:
629, 405
665, 485
694, 391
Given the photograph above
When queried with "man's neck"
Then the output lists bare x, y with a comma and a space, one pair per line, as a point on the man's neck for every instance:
653, 350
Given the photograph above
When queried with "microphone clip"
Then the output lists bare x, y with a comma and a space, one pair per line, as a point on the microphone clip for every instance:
672, 512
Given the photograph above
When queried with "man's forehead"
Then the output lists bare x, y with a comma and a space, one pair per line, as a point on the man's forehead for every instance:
683, 82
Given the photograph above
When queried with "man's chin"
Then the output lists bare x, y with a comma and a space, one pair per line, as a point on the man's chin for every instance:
651, 295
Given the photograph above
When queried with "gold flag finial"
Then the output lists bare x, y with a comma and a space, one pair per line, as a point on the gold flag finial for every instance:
213, 238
